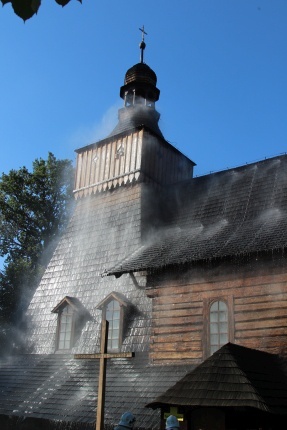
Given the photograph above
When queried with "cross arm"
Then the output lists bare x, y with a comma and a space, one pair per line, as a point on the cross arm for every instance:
106, 355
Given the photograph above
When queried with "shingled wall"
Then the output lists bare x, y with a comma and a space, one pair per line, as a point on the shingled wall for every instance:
103, 227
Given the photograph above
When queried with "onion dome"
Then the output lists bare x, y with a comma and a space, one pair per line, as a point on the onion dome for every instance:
140, 81
141, 72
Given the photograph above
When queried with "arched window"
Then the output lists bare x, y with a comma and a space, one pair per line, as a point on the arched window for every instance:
218, 325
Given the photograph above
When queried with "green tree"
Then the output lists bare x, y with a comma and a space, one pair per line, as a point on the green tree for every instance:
25, 9
34, 209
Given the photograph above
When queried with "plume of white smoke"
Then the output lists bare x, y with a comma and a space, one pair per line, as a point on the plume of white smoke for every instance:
90, 133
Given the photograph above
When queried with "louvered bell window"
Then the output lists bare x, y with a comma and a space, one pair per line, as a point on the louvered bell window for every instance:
218, 325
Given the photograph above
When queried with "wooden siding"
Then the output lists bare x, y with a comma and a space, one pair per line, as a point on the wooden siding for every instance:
256, 300
108, 164
162, 163
139, 156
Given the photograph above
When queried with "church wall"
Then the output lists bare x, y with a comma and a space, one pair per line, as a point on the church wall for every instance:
256, 296
103, 228
163, 163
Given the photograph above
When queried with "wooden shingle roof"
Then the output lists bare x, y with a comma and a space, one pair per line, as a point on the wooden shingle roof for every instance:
137, 118
60, 388
234, 376
229, 213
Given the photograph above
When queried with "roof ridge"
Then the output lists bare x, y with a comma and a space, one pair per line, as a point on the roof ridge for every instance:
248, 163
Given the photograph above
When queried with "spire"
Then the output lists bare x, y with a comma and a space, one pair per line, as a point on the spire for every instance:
139, 93
140, 82
142, 44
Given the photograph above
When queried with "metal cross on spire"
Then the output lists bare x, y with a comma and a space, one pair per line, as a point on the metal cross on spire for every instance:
143, 32
142, 44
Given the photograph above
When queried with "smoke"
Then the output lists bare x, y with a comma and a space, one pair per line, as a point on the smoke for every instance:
89, 133
101, 231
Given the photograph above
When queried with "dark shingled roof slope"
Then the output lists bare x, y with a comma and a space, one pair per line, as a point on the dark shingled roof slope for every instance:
229, 213
234, 376
136, 117
61, 388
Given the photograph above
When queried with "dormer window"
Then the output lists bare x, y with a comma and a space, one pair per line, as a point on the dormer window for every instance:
71, 318
114, 307
113, 315
66, 328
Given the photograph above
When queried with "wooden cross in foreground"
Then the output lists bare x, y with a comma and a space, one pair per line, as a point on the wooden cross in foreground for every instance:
103, 355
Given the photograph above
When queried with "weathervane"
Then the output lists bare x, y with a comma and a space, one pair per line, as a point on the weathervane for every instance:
142, 44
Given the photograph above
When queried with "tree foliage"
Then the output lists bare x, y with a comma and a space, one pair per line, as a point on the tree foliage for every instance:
25, 9
34, 209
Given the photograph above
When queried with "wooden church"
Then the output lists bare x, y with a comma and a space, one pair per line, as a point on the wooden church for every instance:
190, 272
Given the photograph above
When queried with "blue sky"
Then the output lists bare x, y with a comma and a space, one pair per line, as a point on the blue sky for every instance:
221, 68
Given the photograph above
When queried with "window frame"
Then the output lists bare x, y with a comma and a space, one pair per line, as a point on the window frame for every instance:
217, 309
79, 316
123, 304
59, 321
207, 303
120, 329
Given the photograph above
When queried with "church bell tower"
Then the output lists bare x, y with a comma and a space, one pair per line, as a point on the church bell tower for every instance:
135, 151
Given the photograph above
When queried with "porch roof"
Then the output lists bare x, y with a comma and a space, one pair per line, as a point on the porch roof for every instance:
234, 376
